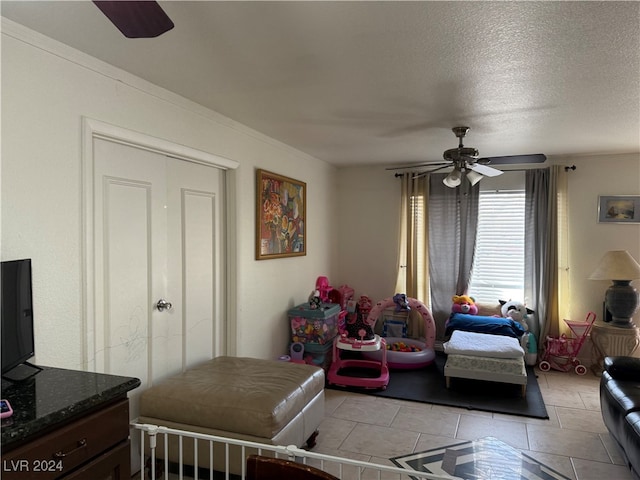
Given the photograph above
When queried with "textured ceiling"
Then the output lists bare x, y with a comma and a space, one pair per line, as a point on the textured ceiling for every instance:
357, 83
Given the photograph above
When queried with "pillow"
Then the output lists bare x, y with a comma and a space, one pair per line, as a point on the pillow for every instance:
489, 309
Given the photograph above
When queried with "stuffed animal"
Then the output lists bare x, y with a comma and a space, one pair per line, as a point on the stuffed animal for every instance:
365, 304
314, 300
515, 311
323, 288
402, 304
464, 304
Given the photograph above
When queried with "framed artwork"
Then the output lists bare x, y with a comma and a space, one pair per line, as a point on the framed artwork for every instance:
619, 209
281, 216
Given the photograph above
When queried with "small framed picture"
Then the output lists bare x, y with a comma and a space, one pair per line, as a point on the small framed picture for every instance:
281, 216
619, 209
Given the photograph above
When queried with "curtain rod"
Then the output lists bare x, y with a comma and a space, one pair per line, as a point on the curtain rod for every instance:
566, 169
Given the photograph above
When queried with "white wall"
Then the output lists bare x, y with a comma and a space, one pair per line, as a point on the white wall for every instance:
369, 199
46, 90
590, 240
368, 222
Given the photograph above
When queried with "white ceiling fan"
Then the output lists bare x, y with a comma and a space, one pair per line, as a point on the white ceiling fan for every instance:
466, 162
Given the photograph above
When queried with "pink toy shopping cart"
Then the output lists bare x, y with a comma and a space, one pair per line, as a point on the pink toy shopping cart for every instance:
561, 353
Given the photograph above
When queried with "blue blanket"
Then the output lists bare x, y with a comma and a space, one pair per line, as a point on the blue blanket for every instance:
480, 324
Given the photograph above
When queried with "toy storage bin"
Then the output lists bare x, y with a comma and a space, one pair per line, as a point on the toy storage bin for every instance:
318, 355
318, 325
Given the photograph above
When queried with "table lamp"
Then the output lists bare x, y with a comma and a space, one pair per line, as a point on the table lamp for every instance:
621, 298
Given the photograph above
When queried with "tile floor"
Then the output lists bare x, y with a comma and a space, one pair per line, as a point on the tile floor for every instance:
574, 440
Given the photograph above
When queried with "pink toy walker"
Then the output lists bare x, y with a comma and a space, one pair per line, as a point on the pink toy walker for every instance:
560, 353
357, 336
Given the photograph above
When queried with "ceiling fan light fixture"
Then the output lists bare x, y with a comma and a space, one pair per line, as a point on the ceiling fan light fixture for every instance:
474, 177
453, 179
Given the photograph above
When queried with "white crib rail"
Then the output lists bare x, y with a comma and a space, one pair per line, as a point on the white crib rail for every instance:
343, 468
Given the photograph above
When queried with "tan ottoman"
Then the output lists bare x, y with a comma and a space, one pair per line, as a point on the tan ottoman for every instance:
265, 401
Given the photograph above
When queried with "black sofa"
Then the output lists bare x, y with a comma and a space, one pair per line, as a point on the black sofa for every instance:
620, 405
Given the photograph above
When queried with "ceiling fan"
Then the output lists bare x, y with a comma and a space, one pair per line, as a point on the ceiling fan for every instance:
136, 19
466, 162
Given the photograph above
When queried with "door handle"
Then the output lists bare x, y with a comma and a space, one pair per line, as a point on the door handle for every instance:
163, 305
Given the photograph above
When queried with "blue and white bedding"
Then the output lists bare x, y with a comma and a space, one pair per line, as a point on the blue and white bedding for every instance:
481, 324
483, 345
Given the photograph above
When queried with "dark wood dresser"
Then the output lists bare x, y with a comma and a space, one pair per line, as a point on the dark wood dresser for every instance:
67, 424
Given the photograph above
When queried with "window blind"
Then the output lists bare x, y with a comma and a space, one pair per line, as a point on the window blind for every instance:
417, 209
498, 268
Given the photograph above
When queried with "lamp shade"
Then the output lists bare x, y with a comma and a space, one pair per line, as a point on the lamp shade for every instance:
474, 177
616, 265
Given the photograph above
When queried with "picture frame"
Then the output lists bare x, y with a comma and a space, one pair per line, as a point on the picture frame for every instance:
619, 209
281, 216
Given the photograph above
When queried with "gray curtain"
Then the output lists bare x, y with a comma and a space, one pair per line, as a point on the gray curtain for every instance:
453, 221
544, 197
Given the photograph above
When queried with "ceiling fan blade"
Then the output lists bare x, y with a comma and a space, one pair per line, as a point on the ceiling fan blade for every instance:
422, 174
439, 168
485, 170
136, 19
426, 172
418, 165
514, 159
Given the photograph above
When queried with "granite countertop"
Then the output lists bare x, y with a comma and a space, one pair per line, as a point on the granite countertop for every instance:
54, 396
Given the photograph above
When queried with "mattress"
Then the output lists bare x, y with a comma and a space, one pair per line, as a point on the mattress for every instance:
483, 345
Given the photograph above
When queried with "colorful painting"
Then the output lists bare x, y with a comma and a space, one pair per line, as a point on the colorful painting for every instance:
281, 216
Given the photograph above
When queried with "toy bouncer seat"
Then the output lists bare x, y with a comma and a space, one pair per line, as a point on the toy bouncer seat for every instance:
409, 331
349, 368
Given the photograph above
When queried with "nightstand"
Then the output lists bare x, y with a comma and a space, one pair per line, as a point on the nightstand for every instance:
610, 341
67, 424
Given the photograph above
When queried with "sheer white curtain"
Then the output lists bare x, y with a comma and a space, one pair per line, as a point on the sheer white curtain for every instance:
413, 254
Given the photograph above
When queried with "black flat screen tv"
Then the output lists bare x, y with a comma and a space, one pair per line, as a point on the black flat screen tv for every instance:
17, 313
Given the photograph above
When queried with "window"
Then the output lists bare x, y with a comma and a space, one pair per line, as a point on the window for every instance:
417, 208
498, 268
